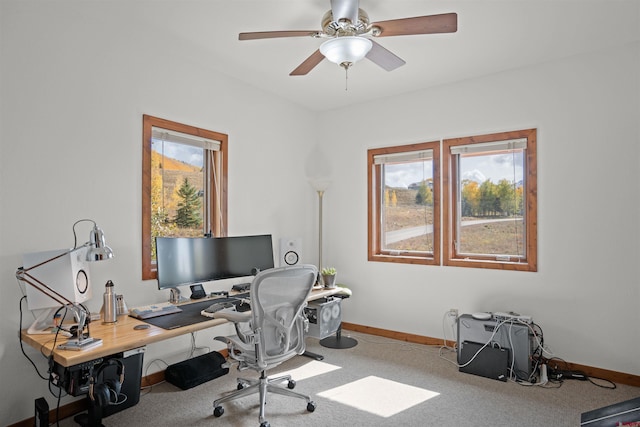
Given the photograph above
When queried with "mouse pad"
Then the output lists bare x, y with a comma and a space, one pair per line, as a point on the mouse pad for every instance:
189, 315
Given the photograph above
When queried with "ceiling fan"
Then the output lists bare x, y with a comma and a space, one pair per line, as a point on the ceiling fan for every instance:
350, 36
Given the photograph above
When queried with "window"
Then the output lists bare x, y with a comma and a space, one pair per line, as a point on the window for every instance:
404, 212
184, 184
490, 203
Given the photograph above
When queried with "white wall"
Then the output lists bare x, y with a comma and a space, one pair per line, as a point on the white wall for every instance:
72, 98
73, 88
586, 292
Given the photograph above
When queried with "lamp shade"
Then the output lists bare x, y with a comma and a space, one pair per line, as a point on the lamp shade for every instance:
349, 49
319, 184
98, 250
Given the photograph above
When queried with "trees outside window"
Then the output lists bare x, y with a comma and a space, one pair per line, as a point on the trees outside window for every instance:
489, 202
189, 213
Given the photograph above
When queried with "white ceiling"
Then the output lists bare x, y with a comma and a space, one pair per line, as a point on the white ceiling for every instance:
492, 36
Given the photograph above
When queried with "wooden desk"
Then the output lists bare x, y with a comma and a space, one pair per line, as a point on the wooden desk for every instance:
122, 337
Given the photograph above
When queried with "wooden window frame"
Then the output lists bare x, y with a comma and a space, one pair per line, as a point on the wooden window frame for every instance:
374, 206
217, 202
451, 258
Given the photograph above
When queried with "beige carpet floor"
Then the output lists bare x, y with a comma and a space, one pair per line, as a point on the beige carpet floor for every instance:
380, 382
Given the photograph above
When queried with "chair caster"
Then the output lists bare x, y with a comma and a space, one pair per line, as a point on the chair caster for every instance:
265, 424
311, 406
291, 384
219, 410
240, 386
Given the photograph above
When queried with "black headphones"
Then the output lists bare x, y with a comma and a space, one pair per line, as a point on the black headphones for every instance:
107, 392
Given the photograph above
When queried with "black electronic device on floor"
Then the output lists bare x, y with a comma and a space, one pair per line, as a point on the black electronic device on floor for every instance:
484, 360
41, 413
197, 370
509, 335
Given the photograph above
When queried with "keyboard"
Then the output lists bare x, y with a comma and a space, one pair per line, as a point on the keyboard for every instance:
154, 310
242, 287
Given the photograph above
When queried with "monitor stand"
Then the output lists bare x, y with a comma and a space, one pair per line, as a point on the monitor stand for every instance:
175, 297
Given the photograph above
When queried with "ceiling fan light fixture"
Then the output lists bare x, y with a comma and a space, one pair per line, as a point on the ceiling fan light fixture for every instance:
348, 49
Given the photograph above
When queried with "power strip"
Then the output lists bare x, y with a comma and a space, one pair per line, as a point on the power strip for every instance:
558, 374
501, 316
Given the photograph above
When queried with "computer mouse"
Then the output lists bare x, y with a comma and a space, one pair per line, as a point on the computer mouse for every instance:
217, 306
141, 327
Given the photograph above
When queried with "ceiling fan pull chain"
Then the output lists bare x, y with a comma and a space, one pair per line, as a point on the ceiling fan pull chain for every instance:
346, 78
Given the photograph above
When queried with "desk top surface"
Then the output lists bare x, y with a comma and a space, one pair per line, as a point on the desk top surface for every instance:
122, 336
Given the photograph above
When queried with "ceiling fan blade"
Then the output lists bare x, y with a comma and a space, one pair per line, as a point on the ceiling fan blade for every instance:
275, 34
345, 9
432, 24
308, 64
384, 58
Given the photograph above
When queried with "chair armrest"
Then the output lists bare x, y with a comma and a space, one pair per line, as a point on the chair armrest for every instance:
233, 316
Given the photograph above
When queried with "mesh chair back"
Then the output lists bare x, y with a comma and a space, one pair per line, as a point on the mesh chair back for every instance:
278, 298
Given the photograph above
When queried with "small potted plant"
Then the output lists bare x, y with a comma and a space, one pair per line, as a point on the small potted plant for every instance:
329, 277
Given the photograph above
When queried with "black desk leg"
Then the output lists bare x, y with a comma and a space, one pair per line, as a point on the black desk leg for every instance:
93, 418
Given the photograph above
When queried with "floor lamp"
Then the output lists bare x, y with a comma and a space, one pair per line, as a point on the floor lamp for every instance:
337, 341
320, 186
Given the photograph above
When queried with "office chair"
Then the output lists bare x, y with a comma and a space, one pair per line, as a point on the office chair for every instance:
271, 333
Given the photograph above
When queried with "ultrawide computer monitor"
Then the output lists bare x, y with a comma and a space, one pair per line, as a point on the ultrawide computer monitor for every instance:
184, 260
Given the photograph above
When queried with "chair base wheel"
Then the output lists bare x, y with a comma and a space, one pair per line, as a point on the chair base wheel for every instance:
265, 424
311, 406
291, 384
218, 411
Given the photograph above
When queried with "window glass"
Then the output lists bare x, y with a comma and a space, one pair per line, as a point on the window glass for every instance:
491, 219
177, 190
403, 190
184, 184
490, 216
